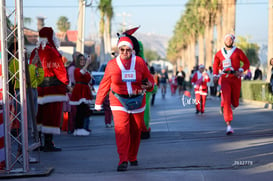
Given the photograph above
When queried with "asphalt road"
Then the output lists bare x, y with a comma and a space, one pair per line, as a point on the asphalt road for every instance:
183, 146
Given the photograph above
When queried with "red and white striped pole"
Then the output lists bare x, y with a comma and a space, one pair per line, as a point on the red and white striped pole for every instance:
2, 142
2, 128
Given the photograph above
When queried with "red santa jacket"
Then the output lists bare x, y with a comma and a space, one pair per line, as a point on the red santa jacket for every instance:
112, 80
238, 60
81, 91
53, 88
200, 80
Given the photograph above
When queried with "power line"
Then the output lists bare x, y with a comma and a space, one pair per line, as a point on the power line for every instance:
135, 5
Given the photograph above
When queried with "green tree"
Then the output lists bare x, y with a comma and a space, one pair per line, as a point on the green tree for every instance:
27, 20
151, 55
251, 49
63, 24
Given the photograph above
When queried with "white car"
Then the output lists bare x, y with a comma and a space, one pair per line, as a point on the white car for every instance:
97, 76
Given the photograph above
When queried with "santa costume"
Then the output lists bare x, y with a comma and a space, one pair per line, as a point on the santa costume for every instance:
123, 78
199, 81
52, 91
228, 63
81, 97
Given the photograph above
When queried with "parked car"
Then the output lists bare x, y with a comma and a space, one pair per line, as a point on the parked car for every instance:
102, 67
97, 76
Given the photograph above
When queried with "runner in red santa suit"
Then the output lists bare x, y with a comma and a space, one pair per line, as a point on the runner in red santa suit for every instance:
126, 77
229, 63
199, 81
51, 92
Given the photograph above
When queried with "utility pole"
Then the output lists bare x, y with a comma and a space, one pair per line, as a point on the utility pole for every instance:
81, 21
14, 153
270, 38
124, 22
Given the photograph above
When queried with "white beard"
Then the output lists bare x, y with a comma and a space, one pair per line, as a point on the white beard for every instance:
42, 42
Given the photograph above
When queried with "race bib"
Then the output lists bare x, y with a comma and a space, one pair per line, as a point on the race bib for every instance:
128, 75
226, 63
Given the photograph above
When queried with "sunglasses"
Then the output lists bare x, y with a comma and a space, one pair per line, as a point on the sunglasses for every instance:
123, 50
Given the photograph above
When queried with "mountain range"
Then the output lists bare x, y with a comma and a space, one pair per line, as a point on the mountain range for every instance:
154, 42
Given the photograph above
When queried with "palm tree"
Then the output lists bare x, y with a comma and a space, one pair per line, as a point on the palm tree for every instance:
27, 20
63, 24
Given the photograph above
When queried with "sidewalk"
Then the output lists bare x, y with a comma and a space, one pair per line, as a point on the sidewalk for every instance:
183, 146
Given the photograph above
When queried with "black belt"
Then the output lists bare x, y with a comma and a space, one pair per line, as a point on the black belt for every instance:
50, 81
126, 96
229, 72
82, 83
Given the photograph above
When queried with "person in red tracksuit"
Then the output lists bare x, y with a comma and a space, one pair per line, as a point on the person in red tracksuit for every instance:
126, 77
199, 81
229, 64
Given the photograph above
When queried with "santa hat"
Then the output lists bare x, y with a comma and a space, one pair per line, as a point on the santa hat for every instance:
131, 29
229, 35
125, 41
201, 66
47, 32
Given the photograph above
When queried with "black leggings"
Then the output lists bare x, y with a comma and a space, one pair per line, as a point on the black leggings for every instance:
82, 112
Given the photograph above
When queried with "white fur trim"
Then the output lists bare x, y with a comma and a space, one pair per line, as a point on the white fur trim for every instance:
42, 42
229, 35
52, 98
83, 71
132, 67
98, 107
82, 100
125, 43
51, 130
201, 93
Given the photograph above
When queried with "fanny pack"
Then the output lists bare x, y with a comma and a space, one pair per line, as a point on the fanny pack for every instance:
130, 103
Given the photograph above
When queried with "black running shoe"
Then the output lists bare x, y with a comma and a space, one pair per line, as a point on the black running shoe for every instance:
122, 167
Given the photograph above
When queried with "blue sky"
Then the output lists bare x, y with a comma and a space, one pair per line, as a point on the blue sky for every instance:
154, 16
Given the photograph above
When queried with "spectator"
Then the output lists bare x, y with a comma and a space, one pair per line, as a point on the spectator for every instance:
156, 79
258, 75
212, 88
81, 94
180, 75
248, 75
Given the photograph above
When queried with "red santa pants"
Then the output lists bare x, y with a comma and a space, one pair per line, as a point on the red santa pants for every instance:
200, 101
107, 110
50, 115
127, 130
231, 87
